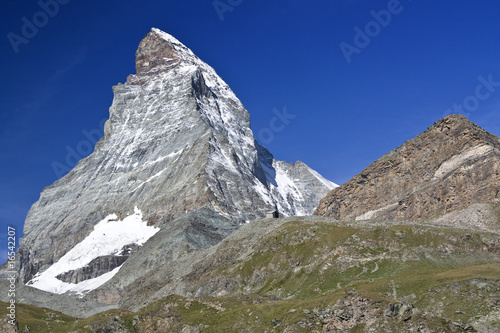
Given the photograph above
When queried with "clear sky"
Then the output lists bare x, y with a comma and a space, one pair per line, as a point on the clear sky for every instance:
360, 77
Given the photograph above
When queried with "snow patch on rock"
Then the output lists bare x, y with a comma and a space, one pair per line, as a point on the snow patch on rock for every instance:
108, 238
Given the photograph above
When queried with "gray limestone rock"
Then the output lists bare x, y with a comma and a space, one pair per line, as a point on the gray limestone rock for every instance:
177, 141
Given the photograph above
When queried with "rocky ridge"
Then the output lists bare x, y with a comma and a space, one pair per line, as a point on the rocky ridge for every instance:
450, 166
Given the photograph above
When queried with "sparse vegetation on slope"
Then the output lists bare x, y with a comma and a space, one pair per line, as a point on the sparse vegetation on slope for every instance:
307, 275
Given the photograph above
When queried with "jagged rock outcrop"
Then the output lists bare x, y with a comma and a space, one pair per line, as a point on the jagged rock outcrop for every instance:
95, 268
450, 166
177, 141
98, 266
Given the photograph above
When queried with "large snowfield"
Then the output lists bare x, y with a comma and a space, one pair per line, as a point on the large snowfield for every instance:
108, 238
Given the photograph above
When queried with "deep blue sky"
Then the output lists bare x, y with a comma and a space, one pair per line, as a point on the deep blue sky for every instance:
274, 54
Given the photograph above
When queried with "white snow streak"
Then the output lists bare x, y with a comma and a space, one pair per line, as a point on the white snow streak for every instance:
326, 182
108, 238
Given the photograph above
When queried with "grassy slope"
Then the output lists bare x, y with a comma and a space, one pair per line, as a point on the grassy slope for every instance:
307, 276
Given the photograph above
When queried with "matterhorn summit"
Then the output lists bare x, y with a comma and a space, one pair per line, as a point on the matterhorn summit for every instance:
178, 169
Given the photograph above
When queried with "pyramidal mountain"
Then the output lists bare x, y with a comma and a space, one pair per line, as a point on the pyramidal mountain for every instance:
178, 169
451, 166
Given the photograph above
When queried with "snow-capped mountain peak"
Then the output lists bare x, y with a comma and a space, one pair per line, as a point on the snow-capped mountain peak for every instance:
178, 140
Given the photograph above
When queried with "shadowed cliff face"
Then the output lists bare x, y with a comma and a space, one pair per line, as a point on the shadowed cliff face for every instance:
452, 165
177, 141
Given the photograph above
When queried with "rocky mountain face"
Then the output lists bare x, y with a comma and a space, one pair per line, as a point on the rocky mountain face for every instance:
177, 170
450, 166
